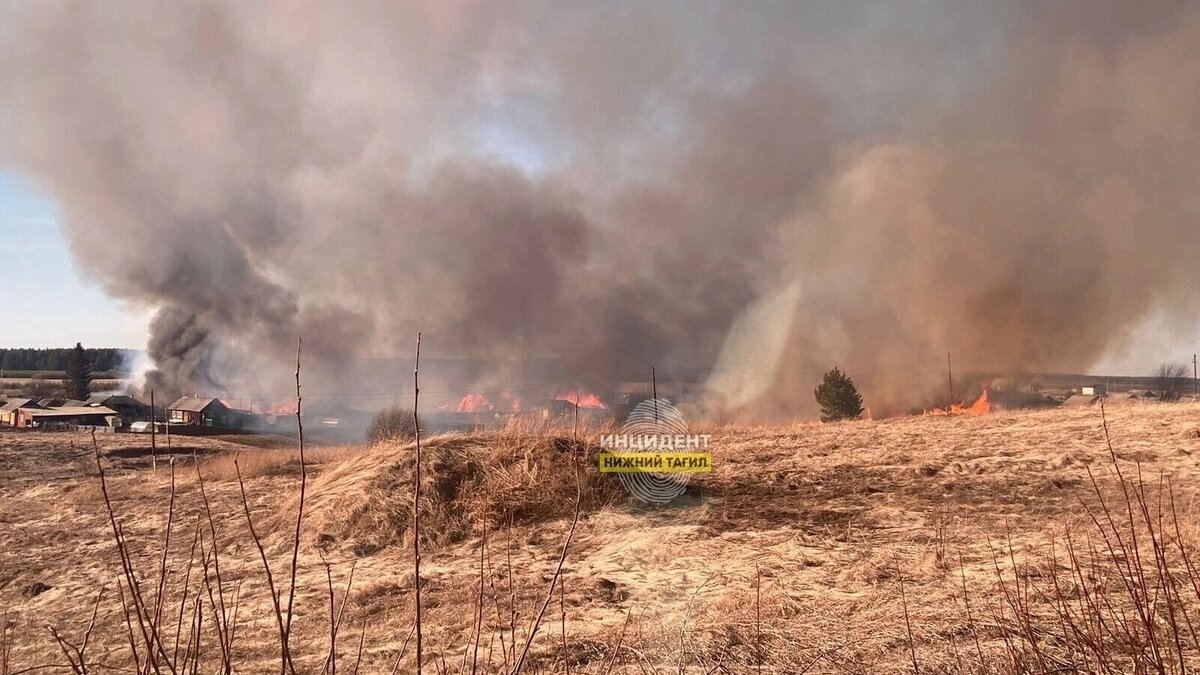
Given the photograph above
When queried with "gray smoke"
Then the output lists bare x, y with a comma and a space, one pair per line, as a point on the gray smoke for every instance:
762, 191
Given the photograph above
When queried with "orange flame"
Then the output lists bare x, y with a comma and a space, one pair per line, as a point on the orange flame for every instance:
479, 403
284, 408
582, 399
981, 406
474, 403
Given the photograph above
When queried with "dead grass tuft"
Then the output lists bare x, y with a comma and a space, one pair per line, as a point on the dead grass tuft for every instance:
500, 479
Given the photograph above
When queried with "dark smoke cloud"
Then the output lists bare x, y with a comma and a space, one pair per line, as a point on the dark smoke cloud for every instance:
764, 191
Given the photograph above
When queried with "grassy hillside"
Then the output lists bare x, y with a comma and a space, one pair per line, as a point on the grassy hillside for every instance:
948, 544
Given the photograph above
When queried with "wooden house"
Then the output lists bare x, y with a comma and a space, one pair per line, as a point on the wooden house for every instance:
198, 411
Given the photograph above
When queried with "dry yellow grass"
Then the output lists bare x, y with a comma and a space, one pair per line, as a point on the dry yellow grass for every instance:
256, 463
805, 549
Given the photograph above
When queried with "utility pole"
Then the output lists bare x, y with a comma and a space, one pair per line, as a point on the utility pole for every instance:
950, 379
654, 391
153, 436
1195, 380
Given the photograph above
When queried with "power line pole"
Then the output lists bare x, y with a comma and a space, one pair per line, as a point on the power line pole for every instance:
1195, 380
654, 391
950, 379
153, 436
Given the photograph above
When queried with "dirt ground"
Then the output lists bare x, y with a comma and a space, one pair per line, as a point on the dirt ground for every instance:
810, 548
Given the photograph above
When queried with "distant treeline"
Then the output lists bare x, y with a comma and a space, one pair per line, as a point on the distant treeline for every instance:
103, 360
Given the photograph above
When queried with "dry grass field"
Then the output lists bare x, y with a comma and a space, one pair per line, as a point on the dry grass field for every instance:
964, 544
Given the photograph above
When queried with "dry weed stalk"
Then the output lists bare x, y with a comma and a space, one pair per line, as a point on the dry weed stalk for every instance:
562, 558
284, 653
1122, 599
75, 654
147, 621
335, 617
6, 630
150, 652
416, 505
908, 630
287, 627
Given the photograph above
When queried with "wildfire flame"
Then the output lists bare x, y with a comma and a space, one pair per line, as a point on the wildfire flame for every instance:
474, 403
582, 399
479, 403
285, 407
981, 406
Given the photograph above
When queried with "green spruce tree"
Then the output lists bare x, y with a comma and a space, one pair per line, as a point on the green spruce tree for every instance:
79, 374
838, 397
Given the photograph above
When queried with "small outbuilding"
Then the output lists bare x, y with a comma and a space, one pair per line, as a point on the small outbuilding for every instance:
146, 426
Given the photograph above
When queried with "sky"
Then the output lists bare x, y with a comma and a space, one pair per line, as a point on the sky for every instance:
56, 307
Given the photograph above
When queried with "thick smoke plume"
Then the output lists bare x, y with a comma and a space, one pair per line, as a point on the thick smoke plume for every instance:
757, 191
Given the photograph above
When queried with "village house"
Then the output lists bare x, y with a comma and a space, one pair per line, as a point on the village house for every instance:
96, 416
197, 411
128, 408
8, 414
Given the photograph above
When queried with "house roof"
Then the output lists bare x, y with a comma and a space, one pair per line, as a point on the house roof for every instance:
194, 403
72, 411
114, 399
19, 403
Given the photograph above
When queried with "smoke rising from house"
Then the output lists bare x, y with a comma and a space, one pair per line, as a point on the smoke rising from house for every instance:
761, 192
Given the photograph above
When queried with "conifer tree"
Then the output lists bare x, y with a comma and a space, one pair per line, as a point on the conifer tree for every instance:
79, 374
838, 397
